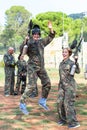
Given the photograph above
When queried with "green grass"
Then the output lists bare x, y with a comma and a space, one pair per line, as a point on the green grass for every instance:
1, 105
5, 127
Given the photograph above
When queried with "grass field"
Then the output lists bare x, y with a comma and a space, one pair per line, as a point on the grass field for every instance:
12, 119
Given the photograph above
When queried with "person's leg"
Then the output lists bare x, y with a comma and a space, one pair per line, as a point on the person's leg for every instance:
46, 86
35, 91
7, 82
29, 89
70, 95
17, 85
60, 106
23, 84
36, 88
12, 82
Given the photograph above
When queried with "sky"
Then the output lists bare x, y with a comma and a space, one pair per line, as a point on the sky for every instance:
40, 6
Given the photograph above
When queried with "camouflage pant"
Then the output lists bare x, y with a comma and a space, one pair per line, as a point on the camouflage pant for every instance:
34, 92
32, 82
9, 80
21, 80
65, 104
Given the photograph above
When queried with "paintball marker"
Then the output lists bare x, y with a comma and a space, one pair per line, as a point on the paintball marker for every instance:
30, 25
76, 46
24, 44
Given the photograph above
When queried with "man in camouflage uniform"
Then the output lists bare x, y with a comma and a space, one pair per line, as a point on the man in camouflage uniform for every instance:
35, 51
21, 74
9, 68
67, 91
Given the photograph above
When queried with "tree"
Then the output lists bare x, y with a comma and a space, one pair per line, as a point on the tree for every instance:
61, 22
17, 18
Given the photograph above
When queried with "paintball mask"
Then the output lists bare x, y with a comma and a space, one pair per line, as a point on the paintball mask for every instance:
36, 30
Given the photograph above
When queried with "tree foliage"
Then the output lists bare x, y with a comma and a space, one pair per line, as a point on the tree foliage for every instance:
55, 17
17, 19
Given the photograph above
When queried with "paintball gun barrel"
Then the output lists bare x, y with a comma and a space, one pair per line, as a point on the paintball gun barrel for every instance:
30, 25
76, 46
24, 45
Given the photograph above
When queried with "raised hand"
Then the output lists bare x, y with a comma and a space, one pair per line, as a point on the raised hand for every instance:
50, 26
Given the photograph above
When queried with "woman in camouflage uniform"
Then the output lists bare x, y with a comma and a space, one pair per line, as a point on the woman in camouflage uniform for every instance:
67, 91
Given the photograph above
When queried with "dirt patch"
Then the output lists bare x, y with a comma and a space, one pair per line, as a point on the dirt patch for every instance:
12, 119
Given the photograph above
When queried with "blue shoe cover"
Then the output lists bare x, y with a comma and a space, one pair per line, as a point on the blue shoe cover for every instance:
42, 103
23, 108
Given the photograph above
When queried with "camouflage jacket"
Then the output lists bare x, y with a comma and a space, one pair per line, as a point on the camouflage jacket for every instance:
36, 50
22, 67
9, 60
64, 71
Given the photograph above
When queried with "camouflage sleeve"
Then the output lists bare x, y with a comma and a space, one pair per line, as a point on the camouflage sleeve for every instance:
49, 38
13, 61
7, 62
